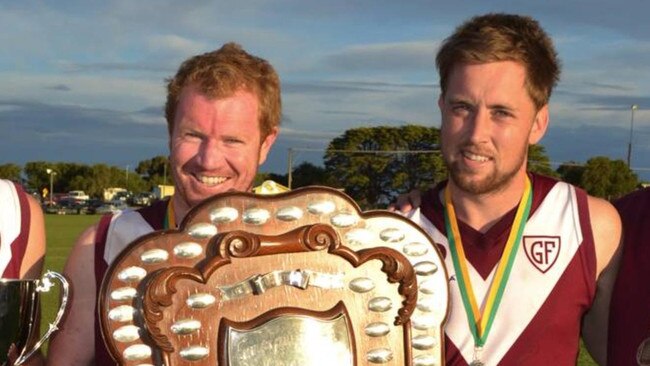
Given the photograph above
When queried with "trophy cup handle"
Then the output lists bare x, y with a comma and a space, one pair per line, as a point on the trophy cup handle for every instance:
44, 285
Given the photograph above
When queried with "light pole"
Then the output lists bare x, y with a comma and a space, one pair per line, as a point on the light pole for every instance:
52, 173
290, 168
629, 145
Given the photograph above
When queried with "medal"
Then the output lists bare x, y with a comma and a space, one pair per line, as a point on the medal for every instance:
476, 359
643, 353
480, 322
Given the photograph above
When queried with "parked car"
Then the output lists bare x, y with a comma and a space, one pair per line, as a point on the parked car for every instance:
78, 196
142, 199
50, 208
92, 205
65, 206
110, 208
122, 196
56, 197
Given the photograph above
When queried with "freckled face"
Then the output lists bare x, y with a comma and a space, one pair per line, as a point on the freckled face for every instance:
488, 121
216, 145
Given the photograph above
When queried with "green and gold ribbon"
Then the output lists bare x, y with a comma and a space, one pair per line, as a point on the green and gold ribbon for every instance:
481, 323
170, 218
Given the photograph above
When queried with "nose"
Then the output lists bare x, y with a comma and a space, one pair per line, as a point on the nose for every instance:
210, 154
478, 125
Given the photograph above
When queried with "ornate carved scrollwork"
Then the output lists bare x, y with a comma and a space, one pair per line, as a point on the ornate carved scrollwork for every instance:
159, 296
241, 244
314, 247
320, 237
238, 244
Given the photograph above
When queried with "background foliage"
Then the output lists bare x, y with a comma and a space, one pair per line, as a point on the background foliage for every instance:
372, 164
353, 161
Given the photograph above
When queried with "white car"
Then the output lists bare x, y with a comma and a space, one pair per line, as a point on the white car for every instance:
78, 196
113, 207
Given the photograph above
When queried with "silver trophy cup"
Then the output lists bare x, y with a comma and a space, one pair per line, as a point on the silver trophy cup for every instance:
19, 309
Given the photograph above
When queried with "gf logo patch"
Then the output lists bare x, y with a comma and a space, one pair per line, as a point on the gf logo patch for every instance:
542, 251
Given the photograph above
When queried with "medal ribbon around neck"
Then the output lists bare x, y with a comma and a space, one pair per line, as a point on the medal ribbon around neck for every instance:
170, 218
481, 323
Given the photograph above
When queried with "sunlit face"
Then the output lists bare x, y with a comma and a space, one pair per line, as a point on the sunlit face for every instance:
215, 146
488, 121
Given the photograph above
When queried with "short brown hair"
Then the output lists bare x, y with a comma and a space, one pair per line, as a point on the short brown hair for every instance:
503, 37
220, 73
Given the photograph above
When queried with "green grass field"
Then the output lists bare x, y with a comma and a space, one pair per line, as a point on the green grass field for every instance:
62, 231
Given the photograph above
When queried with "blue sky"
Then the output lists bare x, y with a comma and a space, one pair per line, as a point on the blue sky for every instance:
83, 81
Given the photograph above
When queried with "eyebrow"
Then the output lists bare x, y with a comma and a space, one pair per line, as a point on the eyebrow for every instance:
469, 101
233, 136
503, 107
192, 129
458, 99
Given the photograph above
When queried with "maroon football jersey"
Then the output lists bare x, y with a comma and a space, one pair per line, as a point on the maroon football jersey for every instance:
551, 285
14, 228
629, 316
114, 233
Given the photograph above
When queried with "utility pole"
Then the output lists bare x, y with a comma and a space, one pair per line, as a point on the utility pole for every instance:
127, 177
52, 173
290, 168
629, 145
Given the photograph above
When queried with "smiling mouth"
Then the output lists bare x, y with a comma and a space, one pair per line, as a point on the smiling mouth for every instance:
211, 181
475, 157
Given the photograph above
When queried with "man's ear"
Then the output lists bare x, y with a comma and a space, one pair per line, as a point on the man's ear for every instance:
540, 124
266, 144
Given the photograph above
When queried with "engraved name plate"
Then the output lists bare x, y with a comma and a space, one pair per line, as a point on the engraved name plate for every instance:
292, 340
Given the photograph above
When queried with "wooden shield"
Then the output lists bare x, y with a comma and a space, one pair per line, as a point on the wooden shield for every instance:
298, 278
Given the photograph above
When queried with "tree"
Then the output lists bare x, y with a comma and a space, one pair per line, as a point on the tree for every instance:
10, 171
92, 179
103, 176
571, 172
354, 162
37, 176
623, 179
155, 171
538, 161
607, 178
307, 174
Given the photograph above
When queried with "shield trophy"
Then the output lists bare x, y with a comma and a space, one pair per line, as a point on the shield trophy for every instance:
297, 278
19, 310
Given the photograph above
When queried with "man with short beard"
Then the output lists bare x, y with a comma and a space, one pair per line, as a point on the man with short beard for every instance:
223, 114
523, 251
